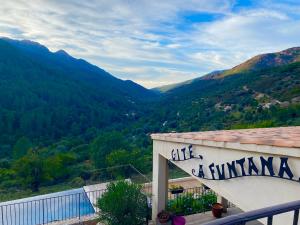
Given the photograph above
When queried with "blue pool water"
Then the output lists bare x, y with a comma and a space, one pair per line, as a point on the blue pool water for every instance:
44, 209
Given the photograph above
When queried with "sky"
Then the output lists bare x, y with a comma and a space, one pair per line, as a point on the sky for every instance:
156, 42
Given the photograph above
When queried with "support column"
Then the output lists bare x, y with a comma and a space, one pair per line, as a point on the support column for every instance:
159, 182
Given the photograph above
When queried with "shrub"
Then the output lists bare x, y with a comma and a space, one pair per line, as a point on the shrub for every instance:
189, 203
123, 203
77, 182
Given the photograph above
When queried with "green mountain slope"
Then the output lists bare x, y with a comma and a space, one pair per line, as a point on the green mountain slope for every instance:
263, 97
266, 60
166, 88
258, 62
47, 96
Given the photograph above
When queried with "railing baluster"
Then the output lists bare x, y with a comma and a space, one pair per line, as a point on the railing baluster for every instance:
60, 207
18, 213
270, 220
23, 220
32, 215
69, 206
79, 205
10, 214
296, 217
2, 217
43, 211
65, 207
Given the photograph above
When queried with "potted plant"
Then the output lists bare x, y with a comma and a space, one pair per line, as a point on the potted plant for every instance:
176, 189
217, 210
164, 217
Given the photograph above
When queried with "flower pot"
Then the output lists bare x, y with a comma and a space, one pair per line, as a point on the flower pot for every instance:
177, 191
217, 210
164, 218
178, 220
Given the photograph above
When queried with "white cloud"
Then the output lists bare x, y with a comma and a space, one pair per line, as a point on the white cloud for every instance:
149, 41
237, 37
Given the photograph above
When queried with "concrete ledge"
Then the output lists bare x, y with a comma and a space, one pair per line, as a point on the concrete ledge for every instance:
76, 221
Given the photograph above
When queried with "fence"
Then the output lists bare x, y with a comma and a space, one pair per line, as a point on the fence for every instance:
191, 200
269, 213
68, 206
83, 204
48, 210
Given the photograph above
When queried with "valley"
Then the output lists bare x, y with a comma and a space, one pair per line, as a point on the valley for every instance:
67, 119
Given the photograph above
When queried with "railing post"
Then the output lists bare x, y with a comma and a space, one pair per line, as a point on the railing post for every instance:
2, 217
43, 213
79, 205
296, 217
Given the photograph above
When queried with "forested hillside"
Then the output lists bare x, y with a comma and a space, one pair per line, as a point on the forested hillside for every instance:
53, 107
48, 96
264, 97
62, 119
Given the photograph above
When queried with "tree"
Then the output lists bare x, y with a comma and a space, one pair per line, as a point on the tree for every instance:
21, 147
105, 144
123, 203
31, 171
58, 167
119, 157
123, 157
7, 177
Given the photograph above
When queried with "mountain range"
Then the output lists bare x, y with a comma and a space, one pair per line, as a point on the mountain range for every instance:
48, 96
263, 91
67, 118
258, 62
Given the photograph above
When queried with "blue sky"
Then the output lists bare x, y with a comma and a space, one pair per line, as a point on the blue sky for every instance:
156, 42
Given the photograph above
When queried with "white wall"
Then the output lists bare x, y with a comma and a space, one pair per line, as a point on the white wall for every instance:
247, 193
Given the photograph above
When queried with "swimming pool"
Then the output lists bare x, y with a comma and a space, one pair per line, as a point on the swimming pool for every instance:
48, 208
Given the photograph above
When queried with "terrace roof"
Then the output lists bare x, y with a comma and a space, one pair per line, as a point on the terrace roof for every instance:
287, 137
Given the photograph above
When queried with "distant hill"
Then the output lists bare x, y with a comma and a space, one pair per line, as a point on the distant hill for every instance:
166, 88
258, 62
49, 95
264, 91
79, 69
263, 61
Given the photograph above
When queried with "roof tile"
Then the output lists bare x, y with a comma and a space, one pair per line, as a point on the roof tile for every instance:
279, 136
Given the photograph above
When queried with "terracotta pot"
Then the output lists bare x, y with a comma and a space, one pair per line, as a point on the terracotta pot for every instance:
217, 210
164, 217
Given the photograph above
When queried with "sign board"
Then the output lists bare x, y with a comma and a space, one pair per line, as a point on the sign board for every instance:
242, 167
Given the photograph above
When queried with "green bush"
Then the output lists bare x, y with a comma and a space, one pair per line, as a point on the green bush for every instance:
123, 203
188, 203
77, 182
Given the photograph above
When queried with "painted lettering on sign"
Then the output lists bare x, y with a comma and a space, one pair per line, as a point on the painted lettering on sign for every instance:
184, 154
246, 166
